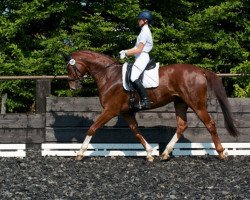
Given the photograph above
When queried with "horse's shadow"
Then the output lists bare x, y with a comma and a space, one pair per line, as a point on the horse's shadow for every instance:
73, 128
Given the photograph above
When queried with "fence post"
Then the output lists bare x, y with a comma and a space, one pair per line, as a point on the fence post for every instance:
43, 90
3, 107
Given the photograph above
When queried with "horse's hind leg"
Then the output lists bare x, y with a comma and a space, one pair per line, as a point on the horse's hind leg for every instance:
210, 125
130, 118
181, 118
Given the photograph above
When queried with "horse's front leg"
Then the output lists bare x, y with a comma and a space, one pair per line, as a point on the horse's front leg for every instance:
84, 147
130, 118
102, 119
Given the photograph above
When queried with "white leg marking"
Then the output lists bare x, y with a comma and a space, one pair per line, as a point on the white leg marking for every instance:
85, 145
149, 149
171, 144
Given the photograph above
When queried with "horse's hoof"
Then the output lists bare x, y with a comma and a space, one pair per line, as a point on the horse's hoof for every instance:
223, 155
79, 157
164, 157
150, 159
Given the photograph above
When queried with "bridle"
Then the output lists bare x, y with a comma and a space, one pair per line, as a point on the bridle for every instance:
72, 63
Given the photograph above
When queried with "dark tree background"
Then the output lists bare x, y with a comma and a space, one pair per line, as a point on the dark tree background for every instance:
212, 34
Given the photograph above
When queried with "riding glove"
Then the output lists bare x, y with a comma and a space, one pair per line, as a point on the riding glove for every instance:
123, 54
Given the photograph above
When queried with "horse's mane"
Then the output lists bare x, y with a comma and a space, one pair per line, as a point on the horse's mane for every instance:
98, 55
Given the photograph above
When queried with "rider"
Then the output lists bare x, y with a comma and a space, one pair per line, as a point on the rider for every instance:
143, 46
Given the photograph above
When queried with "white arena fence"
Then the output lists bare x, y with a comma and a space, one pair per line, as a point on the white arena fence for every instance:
12, 150
71, 149
97, 150
199, 149
180, 149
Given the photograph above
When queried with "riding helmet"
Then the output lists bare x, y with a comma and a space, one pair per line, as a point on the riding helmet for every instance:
145, 15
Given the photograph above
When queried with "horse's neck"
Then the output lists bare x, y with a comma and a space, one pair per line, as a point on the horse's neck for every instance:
104, 73
103, 69
98, 69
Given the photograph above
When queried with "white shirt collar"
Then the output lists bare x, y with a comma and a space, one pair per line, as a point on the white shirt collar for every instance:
145, 26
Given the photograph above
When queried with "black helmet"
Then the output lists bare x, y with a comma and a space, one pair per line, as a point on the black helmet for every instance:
145, 15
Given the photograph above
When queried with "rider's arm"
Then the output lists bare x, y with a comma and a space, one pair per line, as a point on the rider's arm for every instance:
137, 50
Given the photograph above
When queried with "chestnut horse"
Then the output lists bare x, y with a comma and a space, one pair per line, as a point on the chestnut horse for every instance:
184, 84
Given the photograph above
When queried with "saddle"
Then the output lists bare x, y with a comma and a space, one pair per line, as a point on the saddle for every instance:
151, 65
149, 77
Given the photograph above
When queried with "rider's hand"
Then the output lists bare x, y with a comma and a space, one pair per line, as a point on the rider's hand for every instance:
123, 54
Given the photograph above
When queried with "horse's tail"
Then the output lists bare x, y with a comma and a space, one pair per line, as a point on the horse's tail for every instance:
216, 85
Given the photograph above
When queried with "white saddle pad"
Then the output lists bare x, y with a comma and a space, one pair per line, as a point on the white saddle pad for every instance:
150, 78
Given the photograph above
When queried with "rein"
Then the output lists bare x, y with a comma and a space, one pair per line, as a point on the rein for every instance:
106, 67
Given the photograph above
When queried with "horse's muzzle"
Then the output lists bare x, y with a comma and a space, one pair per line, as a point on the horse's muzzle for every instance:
75, 85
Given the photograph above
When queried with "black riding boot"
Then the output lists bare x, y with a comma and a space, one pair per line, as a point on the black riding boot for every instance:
145, 103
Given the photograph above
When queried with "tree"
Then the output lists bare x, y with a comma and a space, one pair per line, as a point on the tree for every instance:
31, 36
212, 34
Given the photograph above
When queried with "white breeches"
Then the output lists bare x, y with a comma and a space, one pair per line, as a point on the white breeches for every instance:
140, 64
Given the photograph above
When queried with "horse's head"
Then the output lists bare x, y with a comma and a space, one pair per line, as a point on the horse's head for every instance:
76, 70
97, 65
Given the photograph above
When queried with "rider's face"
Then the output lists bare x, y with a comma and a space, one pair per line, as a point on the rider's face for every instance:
141, 22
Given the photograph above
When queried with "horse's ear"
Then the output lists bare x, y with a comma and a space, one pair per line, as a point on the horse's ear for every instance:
67, 57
